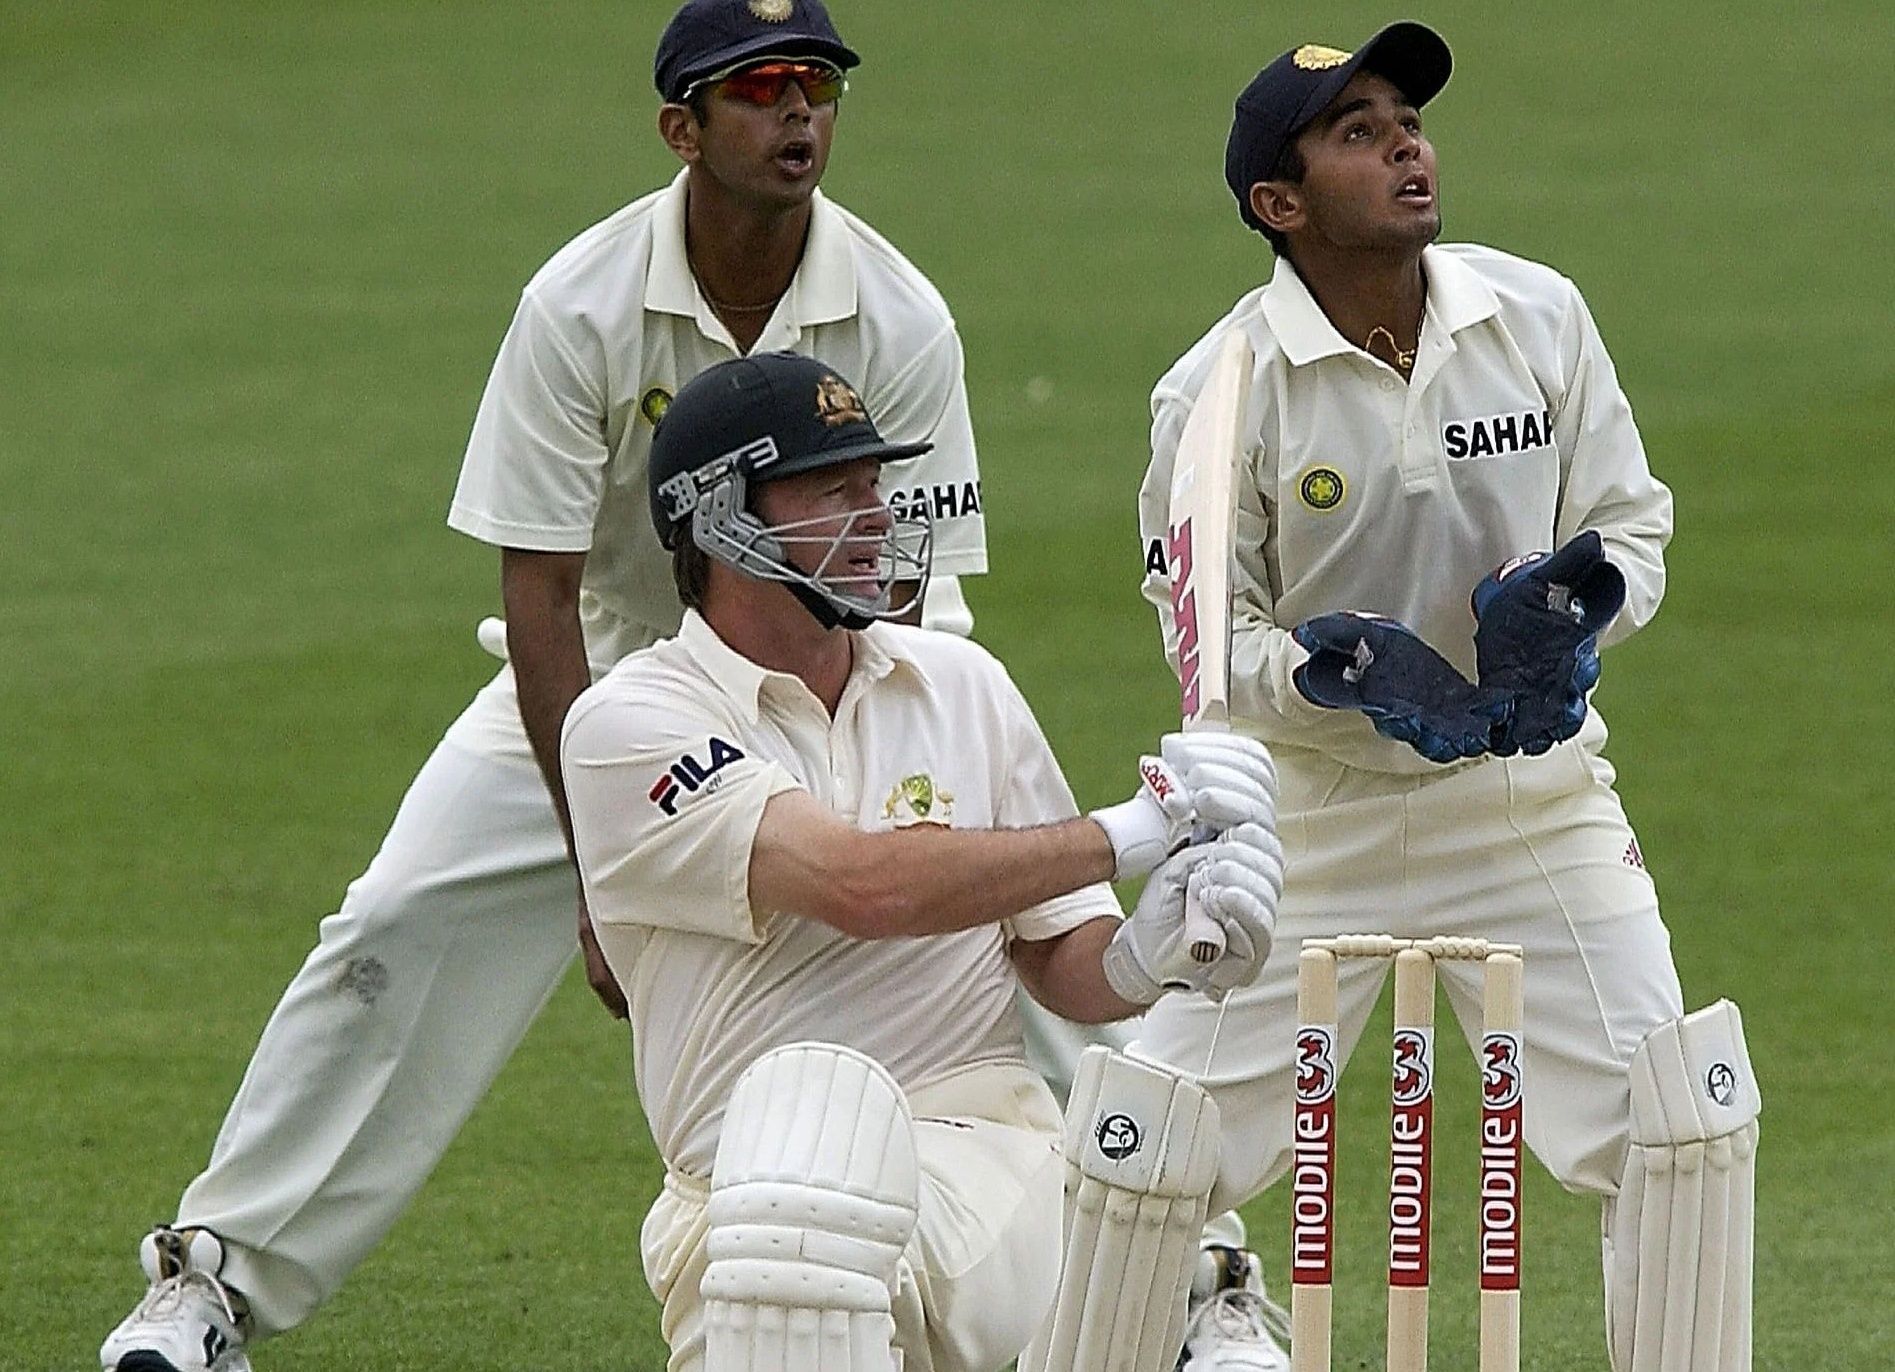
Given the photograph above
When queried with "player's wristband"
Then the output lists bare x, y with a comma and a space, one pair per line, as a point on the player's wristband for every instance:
1138, 833
1142, 830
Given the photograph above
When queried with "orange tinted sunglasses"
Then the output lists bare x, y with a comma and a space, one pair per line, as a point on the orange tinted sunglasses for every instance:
765, 83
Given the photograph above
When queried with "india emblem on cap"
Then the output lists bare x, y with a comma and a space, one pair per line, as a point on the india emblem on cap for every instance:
838, 404
772, 11
1310, 57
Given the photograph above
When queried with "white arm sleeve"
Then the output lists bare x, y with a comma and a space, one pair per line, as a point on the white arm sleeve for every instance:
665, 807
944, 607
1605, 482
536, 459
926, 402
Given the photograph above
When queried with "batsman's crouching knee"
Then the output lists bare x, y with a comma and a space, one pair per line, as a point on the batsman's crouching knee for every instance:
814, 1196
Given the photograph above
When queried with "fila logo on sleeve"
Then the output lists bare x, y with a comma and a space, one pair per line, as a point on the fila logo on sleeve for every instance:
687, 774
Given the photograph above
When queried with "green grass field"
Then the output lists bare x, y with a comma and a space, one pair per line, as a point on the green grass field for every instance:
257, 257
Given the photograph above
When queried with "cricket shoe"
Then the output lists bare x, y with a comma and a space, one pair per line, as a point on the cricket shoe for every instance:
189, 1321
1232, 1326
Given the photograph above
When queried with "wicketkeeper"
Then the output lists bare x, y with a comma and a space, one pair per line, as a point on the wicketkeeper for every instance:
1424, 423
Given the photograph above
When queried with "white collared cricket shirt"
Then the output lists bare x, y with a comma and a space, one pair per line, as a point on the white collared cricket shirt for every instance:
1365, 493
609, 329
669, 761
1362, 492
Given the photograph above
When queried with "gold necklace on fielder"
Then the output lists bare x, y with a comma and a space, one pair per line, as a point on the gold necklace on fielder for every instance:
723, 307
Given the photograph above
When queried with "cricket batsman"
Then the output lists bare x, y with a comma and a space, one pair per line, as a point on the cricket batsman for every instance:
821, 850
1445, 514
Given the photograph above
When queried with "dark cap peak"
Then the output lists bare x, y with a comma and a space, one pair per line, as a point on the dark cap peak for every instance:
707, 36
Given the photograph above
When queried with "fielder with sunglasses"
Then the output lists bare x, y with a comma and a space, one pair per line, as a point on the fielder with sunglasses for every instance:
424, 981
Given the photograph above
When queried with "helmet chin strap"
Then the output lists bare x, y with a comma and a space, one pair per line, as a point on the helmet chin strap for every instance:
827, 613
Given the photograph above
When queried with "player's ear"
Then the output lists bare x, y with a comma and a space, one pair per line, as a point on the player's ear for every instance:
678, 126
1279, 204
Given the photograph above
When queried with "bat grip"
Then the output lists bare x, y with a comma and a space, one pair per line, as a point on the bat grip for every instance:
1204, 934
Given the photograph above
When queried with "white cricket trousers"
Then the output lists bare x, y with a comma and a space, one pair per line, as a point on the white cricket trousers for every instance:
979, 1274
1535, 851
415, 995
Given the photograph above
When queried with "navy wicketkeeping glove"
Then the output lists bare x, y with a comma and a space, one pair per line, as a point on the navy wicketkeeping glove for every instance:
1537, 639
1409, 691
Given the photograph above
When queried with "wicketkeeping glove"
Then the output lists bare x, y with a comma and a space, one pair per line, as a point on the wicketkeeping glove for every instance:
1537, 638
1208, 778
1237, 879
1409, 692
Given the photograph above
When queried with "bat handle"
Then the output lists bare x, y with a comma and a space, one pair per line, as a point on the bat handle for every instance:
1204, 934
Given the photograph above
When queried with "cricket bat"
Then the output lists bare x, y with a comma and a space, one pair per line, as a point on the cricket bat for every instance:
1199, 544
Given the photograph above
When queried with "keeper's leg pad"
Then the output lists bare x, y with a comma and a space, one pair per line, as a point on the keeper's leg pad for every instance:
1141, 1157
1678, 1235
814, 1195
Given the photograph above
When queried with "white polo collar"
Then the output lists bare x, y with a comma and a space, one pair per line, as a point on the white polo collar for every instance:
822, 291
1457, 298
879, 653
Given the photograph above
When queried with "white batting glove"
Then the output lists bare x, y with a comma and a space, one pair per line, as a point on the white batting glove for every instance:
1239, 885
1237, 879
1231, 778
1148, 951
1206, 778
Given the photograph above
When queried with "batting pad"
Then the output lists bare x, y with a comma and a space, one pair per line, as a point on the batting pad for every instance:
814, 1193
1141, 1157
1678, 1236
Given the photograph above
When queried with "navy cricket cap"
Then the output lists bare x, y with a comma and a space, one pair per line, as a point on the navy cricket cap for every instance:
772, 415
1285, 96
709, 36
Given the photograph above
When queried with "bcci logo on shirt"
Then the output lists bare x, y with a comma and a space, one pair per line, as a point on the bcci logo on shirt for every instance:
1322, 488
917, 800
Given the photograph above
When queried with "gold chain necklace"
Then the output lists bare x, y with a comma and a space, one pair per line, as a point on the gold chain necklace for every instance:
1404, 359
724, 307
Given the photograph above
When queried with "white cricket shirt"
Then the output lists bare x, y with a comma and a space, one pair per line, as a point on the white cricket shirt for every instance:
609, 329
1361, 492
669, 760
